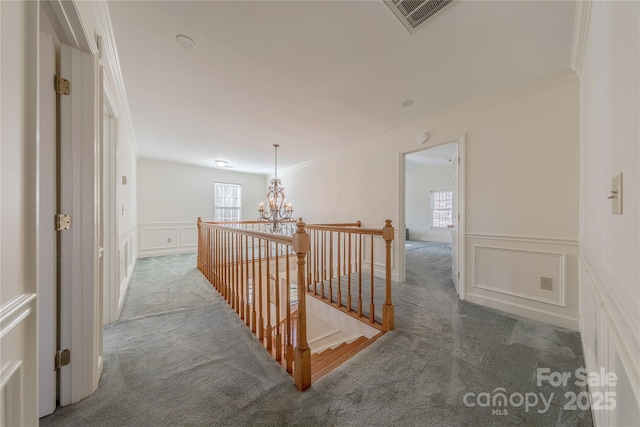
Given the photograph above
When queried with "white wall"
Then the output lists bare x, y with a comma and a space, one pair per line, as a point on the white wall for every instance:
420, 182
521, 191
18, 223
610, 244
172, 196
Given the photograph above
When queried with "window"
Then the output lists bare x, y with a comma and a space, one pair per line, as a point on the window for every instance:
441, 209
227, 202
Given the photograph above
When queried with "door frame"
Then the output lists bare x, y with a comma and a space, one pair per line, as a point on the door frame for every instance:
402, 260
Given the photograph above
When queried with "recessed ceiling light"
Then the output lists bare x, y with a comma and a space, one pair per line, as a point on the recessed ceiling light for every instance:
185, 41
221, 163
407, 102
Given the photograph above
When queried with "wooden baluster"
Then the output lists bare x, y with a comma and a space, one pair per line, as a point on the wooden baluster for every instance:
302, 354
324, 262
224, 265
261, 289
238, 278
277, 289
338, 275
268, 332
360, 275
372, 306
315, 255
288, 354
233, 270
349, 277
253, 286
330, 267
247, 308
219, 247
344, 253
387, 309
200, 248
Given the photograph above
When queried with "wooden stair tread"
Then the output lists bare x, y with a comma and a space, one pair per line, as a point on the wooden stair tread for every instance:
318, 357
339, 356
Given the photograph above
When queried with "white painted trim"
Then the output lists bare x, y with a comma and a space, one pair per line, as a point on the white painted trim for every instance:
580, 34
8, 372
13, 312
401, 267
127, 238
561, 295
525, 311
523, 239
66, 22
623, 313
321, 336
179, 246
110, 61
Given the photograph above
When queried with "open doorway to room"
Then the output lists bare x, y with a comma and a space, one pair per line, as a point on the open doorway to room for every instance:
432, 197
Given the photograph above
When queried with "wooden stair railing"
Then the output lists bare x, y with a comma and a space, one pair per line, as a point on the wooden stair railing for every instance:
339, 255
246, 266
238, 262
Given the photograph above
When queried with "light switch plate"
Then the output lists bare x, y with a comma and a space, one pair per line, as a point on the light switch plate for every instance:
616, 195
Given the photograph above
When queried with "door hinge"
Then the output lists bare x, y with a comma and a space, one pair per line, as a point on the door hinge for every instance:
61, 86
63, 222
458, 274
63, 358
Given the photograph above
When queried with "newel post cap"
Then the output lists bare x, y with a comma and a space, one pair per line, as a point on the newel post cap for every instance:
301, 239
387, 230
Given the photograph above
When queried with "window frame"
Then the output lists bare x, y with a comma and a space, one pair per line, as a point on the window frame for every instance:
224, 208
433, 209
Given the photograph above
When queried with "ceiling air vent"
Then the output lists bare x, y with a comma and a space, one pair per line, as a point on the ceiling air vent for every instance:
414, 14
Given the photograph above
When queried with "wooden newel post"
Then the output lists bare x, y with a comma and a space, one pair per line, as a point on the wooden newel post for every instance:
199, 262
302, 352
387, 309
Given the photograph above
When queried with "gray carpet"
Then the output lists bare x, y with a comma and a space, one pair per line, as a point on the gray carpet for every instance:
180, 356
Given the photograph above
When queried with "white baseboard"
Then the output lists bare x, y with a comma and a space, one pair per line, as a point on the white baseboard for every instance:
124, 286
525, 311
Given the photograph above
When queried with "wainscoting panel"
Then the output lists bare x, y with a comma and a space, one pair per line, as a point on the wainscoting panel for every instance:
127, 261
17, 399
168, 238
504, 272
517, 272
610, 329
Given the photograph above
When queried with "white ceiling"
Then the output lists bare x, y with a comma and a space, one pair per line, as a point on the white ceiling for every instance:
316, 76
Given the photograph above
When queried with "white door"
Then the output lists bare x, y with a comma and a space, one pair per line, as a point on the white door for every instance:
454, 224
80, 315
47, 239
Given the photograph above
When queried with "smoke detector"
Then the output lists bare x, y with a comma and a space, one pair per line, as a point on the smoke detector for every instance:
414, 14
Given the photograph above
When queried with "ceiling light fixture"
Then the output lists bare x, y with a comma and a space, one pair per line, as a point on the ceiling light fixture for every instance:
280, 211
221, 163
185, 42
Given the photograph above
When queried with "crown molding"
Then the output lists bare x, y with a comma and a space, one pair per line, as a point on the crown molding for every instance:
111, 62
580, 34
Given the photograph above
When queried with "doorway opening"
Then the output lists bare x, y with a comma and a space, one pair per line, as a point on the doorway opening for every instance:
432, 211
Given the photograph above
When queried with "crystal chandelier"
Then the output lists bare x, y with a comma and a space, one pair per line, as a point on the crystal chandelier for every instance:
279, 211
